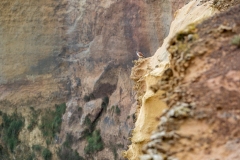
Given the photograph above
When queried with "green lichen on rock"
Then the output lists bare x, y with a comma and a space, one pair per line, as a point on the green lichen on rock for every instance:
236, 40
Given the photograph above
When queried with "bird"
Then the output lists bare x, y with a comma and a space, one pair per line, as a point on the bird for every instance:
139, 54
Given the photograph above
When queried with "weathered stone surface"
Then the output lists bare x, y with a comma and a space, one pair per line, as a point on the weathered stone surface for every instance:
204, 102
31, 38
147, 74
61, 51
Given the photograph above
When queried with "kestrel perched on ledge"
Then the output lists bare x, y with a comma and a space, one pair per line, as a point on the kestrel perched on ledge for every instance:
140, 55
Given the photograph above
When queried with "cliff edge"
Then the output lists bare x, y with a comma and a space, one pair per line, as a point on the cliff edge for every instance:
187, 92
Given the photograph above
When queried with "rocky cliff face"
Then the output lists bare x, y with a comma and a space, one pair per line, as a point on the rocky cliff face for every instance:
188, 101
79, 53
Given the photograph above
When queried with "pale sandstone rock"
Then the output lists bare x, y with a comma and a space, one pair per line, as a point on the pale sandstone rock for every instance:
150, 105
204, 104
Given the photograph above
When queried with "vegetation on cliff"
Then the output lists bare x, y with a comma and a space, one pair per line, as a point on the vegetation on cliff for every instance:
95, 143
11, 126
51, 121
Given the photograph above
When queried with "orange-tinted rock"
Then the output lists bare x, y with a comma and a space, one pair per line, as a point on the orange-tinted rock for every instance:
204, 103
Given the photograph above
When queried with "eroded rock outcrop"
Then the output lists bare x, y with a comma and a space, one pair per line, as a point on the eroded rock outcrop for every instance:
200, 86
147, 72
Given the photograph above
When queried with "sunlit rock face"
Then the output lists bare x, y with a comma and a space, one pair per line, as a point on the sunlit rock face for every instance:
147, 74
62, 51
201, 90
